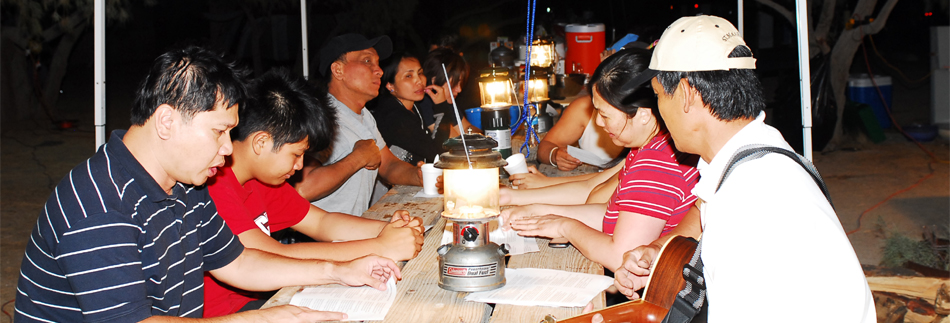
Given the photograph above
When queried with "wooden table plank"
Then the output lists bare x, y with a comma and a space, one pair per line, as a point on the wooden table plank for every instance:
567, 259
400, 197
419, 297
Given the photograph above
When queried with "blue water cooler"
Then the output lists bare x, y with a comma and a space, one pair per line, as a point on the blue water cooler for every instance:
861, 89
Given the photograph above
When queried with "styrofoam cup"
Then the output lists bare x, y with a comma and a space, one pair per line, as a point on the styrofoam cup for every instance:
429, 176
516, 164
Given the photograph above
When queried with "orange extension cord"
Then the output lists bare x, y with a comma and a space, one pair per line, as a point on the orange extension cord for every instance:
887, 109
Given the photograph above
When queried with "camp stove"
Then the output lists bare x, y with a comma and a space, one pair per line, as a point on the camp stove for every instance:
471, 263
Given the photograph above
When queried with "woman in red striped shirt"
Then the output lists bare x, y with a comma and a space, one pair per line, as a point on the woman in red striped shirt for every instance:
654, 190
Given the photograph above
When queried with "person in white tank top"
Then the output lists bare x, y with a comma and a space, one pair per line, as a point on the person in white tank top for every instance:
576, 125
595, 140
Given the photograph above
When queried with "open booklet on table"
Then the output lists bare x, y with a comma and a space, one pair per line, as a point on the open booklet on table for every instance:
359, 303
544, 287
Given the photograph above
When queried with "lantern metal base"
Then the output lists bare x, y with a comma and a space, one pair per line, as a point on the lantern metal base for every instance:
472, 269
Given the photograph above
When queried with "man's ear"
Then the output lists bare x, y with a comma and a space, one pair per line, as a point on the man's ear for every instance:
336, 69
259, 140
165, 117
688, 93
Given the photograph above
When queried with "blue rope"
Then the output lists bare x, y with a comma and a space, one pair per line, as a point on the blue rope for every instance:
525, 119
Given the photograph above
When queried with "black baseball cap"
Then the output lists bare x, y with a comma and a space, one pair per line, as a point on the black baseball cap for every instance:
346, 43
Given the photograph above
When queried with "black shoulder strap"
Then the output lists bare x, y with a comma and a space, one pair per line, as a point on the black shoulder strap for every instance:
752, 152
692, 299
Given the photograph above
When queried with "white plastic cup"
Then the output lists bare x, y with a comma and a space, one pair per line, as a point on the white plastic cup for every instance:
516, 164
429, 176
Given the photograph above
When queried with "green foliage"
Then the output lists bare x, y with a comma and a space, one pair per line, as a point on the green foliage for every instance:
899, 249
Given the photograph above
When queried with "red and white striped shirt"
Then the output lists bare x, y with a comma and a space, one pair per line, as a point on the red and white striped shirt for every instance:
656, 181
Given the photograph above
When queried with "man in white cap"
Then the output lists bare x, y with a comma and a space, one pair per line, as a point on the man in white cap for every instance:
770, 236
346, 175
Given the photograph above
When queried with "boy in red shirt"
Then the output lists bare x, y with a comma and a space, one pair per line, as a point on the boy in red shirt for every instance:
283, 118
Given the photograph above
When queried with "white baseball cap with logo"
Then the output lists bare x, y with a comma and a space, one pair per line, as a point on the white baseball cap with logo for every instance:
693, 44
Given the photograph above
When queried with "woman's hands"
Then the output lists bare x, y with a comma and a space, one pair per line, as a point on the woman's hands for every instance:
565, 161
548, 226
439, 94
515, 213
532, 179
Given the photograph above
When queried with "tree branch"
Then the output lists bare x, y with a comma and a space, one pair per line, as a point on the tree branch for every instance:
784, 12
14, 36
824, 25
843, 54
878, 23
56, 30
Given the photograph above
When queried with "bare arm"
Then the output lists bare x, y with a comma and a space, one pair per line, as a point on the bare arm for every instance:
589, 214
398, 172
637, 262
566, 193
535, 179
566, 131
631, 230
319, 181
397, 240
603, 191
256, 270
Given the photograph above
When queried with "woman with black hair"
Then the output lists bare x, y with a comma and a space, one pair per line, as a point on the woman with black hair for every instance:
654, 189
399, 119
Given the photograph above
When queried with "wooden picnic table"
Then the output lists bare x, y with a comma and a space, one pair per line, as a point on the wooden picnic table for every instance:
421, 300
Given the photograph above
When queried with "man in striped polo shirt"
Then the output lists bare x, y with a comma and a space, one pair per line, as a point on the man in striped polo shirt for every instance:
128, 234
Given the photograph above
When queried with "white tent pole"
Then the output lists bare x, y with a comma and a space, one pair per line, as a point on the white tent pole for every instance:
804, 81
99, 28
303, 39
741, 19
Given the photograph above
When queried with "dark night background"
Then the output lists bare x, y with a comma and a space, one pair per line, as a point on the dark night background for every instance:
413, 25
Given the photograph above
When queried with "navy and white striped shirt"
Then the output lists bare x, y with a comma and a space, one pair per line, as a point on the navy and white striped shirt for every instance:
111, 245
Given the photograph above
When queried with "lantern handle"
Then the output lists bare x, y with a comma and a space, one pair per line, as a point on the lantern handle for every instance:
457, 117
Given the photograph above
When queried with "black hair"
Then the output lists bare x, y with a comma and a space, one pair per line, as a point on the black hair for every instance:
730, 95
391, 67
450, 41
618, 69
455, 65
191, 80
285, 106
